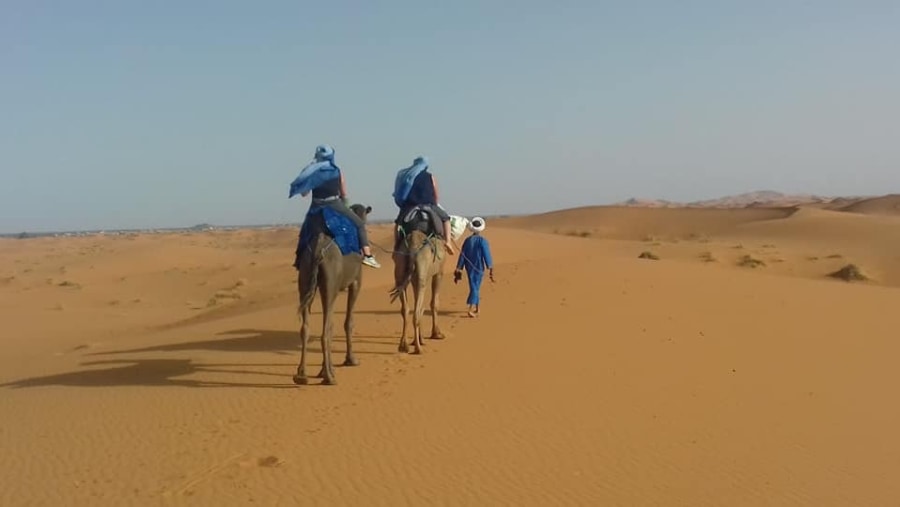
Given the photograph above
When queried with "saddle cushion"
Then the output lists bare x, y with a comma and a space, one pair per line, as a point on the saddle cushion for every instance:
422, 218
336, 226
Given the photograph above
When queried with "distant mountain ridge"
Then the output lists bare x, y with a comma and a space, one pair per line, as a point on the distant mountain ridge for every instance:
759, 198
885, 205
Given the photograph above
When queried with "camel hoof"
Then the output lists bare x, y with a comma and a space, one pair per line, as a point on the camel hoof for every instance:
403, 348
329, 381
321, 374
301, 381
438, 336
417, 351
351, 361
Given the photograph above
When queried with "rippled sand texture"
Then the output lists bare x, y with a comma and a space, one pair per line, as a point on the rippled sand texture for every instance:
156, 370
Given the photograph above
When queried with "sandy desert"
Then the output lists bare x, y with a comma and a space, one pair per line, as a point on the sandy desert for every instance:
626, 355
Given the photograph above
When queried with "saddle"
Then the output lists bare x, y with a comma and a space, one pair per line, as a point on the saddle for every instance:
324, 220
422, 218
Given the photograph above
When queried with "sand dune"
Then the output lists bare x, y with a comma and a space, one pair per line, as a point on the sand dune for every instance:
796, 241
156, 370
884, 205
614, 222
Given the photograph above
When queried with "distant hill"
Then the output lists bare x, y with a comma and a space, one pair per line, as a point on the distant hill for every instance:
884, 205
648, 203
756, 199
762, 198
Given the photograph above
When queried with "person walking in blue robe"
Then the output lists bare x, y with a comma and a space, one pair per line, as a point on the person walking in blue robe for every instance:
476, 257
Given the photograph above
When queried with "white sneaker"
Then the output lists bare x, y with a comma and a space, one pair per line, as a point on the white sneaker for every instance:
371, 262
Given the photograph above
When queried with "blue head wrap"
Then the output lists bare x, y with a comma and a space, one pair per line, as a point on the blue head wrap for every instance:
320, 170
324, 152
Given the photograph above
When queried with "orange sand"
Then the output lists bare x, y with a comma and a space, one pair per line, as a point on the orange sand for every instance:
156, 370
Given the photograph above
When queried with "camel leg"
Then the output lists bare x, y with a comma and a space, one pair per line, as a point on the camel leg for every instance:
399, 274
436, 333
321, 373
404, 313
300, 378
418, 312
327, 372
352, 294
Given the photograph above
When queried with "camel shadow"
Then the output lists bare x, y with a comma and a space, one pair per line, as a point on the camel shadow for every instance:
169, 372
441, 313
264, 340
149, 372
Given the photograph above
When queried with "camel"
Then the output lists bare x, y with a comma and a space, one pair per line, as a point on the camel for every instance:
418, 259
322, 266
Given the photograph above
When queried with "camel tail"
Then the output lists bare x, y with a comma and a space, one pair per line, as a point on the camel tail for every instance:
407, 277
411, 263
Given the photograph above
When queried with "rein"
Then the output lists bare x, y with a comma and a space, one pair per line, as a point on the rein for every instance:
468, 262
325, 248
425, 243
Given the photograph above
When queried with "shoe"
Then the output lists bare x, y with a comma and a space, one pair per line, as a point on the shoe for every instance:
371, 262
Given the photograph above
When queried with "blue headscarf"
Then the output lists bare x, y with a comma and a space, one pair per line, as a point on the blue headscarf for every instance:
320, 170
405, 178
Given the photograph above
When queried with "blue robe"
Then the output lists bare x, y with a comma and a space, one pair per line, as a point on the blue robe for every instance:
475, 257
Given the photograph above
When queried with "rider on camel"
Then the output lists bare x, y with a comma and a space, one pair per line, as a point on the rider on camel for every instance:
416, 186
325, 181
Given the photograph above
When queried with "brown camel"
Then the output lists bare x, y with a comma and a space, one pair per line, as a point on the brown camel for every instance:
418, 259
322, 266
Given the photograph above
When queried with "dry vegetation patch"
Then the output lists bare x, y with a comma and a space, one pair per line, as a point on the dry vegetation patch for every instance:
850, 273
748, 261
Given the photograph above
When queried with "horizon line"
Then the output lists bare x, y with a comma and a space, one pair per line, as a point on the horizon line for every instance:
206, 226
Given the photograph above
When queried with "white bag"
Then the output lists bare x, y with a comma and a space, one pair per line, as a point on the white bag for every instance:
458, 226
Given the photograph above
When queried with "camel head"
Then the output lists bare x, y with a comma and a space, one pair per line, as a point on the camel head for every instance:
361, 211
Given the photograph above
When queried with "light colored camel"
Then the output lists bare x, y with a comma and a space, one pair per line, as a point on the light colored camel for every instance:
418, 259
322, 266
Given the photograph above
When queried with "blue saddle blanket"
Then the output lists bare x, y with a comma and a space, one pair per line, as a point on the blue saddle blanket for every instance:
339, 227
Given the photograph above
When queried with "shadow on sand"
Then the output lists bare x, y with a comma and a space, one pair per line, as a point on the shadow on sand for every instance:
427, 314
149, 372
262, 340
167, 372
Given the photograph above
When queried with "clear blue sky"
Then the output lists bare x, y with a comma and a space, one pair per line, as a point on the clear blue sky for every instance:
121, 114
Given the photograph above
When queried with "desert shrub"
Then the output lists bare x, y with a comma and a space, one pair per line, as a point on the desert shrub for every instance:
748, 261
850, 273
